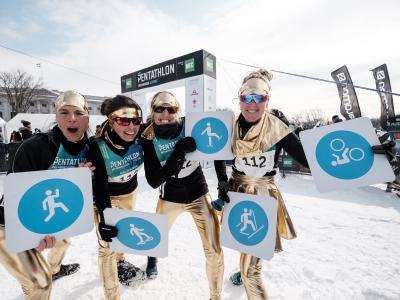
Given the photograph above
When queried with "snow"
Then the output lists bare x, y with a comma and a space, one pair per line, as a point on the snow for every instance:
347, 248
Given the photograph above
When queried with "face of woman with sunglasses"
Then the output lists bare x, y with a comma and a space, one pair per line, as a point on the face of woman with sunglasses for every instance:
165, 115
126, 128
253, 107
72, 121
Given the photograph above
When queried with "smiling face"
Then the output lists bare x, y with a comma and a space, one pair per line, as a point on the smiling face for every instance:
164, 114
72, 121
126, 133
252, 112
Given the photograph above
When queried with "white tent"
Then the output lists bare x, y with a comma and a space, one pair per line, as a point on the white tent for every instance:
44, 122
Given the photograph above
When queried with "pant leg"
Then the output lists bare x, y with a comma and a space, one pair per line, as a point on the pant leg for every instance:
57, 254
127, 201
208, 227
29, 268
170, 209
107, 260
250, 269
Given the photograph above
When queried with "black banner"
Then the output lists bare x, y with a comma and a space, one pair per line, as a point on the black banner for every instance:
192, 64
382, 82
349, 107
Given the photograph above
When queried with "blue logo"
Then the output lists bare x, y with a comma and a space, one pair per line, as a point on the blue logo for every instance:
210, 134
50, 206
137, 233
344, 154
248, 223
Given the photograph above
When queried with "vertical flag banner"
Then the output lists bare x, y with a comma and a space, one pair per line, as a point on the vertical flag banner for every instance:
340, 155
51, 202
349, 107
138, 232
382, 82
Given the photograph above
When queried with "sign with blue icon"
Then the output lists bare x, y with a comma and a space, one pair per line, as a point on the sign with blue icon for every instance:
138, 232
249, 224
212, 132
52, 202
340, 155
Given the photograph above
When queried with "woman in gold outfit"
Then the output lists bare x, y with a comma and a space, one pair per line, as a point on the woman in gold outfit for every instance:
258, 137
181, 183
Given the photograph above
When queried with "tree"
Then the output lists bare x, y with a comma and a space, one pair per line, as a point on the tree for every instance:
20, 88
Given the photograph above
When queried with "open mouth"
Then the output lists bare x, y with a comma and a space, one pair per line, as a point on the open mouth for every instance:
72, 130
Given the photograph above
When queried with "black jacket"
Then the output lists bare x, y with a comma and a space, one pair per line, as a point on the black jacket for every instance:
172, 189
102, 189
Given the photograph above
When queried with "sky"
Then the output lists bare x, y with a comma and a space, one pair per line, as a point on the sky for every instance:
111, 38
346, 248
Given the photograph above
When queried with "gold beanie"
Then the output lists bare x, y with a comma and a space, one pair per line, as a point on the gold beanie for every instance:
72, 98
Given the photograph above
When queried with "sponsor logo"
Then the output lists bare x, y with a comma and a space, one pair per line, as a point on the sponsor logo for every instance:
209, 64
189, 65
380, 75
194, 93
128, 83
346, 101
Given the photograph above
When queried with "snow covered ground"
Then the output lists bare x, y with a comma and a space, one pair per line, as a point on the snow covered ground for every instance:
347, 248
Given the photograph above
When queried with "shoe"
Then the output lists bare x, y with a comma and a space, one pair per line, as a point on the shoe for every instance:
66, 270
151, 269
236, 278
128, 274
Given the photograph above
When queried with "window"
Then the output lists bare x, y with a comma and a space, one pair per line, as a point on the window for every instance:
32, 104
44, 104
90, 108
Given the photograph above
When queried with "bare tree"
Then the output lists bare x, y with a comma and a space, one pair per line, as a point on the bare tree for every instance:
20, 88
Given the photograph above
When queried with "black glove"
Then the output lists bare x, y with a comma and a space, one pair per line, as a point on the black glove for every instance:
107, 232
185, 145
223, 189
385, 148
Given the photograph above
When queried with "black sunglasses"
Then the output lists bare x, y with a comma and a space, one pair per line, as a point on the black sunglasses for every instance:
170, 109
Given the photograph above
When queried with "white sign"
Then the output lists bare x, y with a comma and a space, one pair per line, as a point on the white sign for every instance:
340, 155
249, 224
138, 232
51, 202
212, 132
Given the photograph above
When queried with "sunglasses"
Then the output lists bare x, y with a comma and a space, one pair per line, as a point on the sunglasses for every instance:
170, 109
256, 98
126, 121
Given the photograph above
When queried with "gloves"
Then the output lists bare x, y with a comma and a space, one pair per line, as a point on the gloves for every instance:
223, 189
385, 148
107, 232
185, 145
177, 158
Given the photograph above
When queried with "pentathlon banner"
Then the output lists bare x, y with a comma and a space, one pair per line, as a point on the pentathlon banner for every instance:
349, 107
382, 82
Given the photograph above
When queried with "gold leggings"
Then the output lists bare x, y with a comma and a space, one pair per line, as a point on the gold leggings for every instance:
251, 266
107, 257
30, 268
208, 227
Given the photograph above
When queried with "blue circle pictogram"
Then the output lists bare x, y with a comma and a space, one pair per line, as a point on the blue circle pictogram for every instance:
50, 206
344, 154
138, 233
248, 223
210, 134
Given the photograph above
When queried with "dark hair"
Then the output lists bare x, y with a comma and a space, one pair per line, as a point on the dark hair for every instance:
110, 105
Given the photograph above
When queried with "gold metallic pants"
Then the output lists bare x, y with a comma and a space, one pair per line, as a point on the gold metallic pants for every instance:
208, 227
29, 268
251, 266
108, 258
